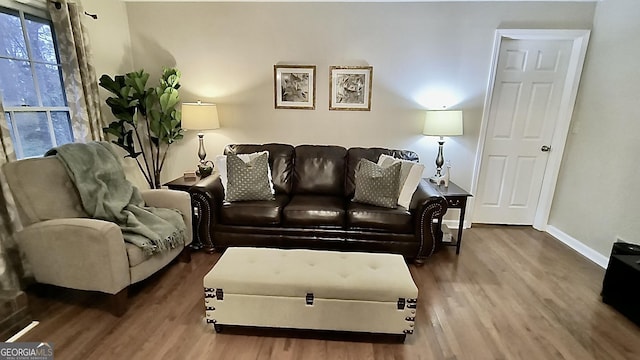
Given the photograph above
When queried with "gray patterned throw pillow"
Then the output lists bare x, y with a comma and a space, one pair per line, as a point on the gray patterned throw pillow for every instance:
377, 185
248, 181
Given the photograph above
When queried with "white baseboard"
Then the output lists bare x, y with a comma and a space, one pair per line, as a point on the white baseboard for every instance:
578, 246
25, 330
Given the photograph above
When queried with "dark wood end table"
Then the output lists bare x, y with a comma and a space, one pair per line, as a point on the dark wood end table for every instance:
201, 238
619, 288
456, 199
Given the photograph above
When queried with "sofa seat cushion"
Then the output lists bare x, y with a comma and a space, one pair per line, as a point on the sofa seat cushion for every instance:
315, 210
254, 213
370, 217
135, 254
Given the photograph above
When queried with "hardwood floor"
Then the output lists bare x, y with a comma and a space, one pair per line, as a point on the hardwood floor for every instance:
512, 293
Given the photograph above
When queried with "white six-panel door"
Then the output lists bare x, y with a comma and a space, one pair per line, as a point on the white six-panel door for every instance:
528, 88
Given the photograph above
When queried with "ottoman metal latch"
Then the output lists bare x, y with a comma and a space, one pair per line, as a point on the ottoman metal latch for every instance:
400, 303
220, 294
309, 299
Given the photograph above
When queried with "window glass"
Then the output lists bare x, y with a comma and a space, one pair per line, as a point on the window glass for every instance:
50, 85
33, 129
12, 40
61, 126
41, 40
16, 83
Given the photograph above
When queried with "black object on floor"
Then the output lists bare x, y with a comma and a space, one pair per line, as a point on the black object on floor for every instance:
621, 285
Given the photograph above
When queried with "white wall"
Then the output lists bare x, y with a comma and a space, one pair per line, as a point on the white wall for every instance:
419, 52
109, 35
598, 193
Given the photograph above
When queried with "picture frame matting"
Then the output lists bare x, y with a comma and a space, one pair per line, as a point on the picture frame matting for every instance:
350, 88
294, 86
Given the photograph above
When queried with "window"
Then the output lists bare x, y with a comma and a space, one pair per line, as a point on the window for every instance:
31, 84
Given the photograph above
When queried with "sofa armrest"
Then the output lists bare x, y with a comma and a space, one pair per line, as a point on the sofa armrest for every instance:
78, 253
172, 199
210, 193
424, 193
427, 205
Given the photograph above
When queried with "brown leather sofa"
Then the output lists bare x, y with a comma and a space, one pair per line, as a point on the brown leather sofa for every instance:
314, 185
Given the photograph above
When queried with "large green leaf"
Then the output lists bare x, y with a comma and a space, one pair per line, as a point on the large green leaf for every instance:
115, 128
154, 121
170, 77
137, 80
121, 109
129, 145
168, 100
114, 86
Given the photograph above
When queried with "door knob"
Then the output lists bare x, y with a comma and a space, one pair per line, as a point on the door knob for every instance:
545, 148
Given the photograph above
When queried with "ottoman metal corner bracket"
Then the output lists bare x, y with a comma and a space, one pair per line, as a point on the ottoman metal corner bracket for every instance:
211, 293
411, 304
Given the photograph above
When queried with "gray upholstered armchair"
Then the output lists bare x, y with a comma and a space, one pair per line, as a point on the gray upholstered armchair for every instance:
66, 248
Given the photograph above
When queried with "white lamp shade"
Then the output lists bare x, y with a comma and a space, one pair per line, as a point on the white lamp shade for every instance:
200, 116
443, 123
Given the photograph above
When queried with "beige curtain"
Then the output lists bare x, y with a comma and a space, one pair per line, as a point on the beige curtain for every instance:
11, 268
78, 73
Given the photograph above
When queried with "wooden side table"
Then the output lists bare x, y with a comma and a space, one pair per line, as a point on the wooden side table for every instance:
456, 199
201, 237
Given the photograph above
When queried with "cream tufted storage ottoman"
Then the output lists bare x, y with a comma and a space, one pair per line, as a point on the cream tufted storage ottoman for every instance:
310, 289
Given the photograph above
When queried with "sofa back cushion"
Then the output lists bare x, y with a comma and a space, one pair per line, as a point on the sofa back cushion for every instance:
319, 169
42, 190
280, 162
372, 154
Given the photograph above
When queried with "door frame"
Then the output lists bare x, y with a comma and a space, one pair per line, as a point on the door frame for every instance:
580, 40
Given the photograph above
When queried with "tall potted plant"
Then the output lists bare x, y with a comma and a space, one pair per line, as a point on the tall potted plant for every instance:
147, 120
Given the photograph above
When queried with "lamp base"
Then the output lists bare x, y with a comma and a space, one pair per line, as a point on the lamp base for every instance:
204, 169
439, 177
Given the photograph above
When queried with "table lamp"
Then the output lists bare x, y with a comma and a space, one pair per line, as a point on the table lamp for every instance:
442, 123
201, 116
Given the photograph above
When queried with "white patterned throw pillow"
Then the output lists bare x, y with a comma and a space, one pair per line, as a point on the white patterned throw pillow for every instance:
410, 176
221, 165
248, 181
377, 185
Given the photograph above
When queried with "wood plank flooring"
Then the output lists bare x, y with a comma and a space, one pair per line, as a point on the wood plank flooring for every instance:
512, 293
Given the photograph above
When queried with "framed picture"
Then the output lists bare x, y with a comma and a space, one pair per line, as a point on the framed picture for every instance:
294, 86
350, 87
